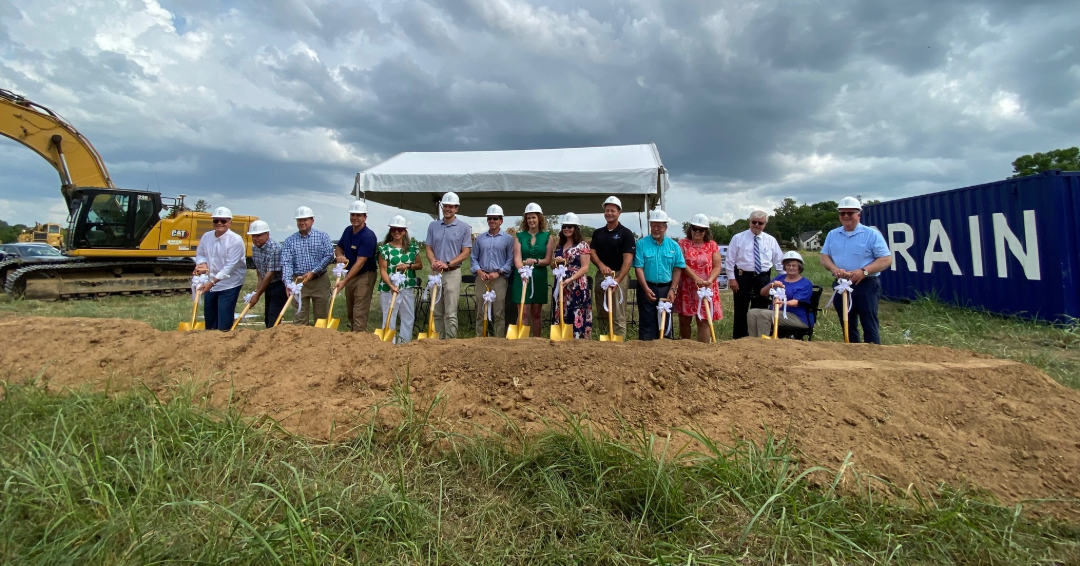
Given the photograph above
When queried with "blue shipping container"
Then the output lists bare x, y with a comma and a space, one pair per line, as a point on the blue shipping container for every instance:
1010, 247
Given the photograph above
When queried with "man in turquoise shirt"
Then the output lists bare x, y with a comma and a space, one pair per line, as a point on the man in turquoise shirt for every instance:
856, 252
658, 263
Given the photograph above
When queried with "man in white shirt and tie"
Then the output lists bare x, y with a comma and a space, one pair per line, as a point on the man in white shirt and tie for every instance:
752, 254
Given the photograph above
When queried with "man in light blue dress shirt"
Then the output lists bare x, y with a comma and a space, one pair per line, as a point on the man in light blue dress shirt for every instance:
859, 253
492, 261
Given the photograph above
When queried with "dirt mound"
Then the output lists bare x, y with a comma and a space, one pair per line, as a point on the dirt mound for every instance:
911, 414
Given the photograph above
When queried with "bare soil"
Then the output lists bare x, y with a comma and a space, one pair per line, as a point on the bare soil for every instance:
910, 414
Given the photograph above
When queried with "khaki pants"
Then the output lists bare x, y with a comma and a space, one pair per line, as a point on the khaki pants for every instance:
618, 311
358, 299
497, 326
447, 307
759, 322
314, 298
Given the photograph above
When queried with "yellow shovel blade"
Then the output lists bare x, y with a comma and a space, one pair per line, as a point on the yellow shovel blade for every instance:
385, 335
187, 327
327, 323
333, 324
766, 337
517, 331
321, 323
428, 335
558, 332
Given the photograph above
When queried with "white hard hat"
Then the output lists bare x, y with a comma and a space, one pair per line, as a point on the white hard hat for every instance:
657, 215
304, 212
792, 255
533, 207
258, 227
451, 198
221, 212
700, 220
398, 222
570, 219
358, 207
615, 201
849, 202
494, 210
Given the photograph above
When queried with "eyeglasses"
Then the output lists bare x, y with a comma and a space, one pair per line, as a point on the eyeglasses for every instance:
221, 221
697, 229
848, 212
494, 218
569, 227
397, 229
757, 223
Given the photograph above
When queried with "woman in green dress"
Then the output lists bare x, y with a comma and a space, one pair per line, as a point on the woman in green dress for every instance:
399, 254
533, 247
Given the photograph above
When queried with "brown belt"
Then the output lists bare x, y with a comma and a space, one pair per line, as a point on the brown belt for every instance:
455, 268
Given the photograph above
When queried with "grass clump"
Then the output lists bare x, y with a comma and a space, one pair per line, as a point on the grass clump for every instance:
89, 479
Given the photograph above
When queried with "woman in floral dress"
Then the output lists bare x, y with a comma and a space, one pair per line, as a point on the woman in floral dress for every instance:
575, 251
703, 265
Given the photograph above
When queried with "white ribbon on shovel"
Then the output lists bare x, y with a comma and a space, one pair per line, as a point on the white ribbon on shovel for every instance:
525, 272
606, 284
663, 307
560, 274
842, 286
295, 289
489, 299
779, 294
397, 279
198, 281
247, 297
434, 280
339, 270
704, 294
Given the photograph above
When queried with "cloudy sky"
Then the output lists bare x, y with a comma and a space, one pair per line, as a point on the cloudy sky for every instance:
263, 105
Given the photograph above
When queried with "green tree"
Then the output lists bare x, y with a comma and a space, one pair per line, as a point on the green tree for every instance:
1061, 159
202, 206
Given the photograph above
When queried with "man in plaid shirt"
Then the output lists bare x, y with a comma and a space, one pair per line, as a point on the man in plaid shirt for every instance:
266, 254
306, 254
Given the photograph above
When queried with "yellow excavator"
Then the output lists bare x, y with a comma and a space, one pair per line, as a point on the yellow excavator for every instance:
118, 241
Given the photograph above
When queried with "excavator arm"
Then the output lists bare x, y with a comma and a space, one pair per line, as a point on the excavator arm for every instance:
53, 138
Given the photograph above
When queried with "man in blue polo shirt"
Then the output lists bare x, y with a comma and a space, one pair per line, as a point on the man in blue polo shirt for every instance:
859, 253
658, 264
356, 248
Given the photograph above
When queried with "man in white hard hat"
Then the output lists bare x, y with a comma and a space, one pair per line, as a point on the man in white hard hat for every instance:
306, 254
658, 264
492, 261
221, 256
751, 256
266, 254
448, 243
613, 248
856, 252
356, 248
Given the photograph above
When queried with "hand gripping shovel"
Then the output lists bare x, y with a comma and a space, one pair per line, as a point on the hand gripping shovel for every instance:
431, 334
519, 330
243, 313
198, 281
286, 307
330, 321
561, 332
386, 334
611, 336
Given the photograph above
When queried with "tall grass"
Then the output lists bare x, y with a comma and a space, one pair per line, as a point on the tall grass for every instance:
85, 479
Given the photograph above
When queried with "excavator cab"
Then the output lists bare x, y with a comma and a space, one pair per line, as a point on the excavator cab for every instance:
111, 218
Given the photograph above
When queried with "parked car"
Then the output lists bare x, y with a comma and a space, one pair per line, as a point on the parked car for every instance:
29, 251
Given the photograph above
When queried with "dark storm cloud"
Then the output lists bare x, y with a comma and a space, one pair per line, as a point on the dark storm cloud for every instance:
106, 70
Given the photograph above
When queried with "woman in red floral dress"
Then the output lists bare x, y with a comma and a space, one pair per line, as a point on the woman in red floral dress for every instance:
703, 264
575, 250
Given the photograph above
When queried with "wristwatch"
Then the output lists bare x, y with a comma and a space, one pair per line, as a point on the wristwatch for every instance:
865, 273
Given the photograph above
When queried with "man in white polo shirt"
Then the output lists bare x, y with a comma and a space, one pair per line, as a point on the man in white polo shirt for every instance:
221, 256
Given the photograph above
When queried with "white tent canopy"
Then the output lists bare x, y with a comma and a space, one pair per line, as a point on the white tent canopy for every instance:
560, 180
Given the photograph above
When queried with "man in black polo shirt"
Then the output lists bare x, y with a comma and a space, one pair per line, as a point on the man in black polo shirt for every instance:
613, 248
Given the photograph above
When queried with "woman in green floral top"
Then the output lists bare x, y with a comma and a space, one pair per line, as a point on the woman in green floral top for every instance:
399, 254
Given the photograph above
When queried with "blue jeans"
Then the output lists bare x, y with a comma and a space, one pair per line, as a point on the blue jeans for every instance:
864, 309
649, 325
219, 310
275, 299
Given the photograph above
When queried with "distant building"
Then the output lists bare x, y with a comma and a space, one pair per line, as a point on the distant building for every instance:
810, 241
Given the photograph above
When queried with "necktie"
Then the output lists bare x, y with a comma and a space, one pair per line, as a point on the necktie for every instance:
757, 254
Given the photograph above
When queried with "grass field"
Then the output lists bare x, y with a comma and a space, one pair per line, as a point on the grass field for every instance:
91, 478
1054, 349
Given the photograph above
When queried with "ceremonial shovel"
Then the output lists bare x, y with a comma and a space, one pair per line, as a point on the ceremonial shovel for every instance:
610, 336
562, 332
663, 319
189, 326
708, 313
487, 288
286, 307
243, 313
386, 334
519, 330
431, 334
775, 323
330, 321
845, 306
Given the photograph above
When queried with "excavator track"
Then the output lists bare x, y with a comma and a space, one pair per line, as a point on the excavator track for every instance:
83, 279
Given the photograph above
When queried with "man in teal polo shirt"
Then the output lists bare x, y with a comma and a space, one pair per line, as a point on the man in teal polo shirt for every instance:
658, 263
859, 253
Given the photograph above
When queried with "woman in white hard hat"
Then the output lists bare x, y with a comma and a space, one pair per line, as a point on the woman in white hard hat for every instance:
221, 256
703, 265
533, 246
399, 254
797, 291
574, 251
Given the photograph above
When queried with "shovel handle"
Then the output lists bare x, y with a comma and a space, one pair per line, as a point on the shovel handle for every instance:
521, 309
776, 321
708, 313
611, 313
390, 313
195, 307
847, 340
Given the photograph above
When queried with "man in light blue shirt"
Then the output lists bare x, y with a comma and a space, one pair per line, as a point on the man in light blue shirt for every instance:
492, 261
658, 264
856, 252
448, 243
